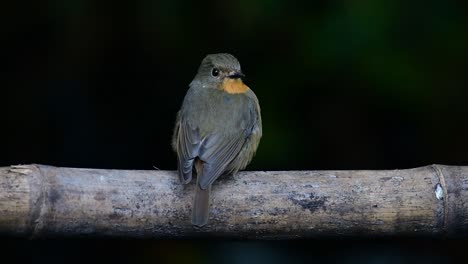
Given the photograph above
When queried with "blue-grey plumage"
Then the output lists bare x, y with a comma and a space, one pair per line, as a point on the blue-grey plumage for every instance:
218, 128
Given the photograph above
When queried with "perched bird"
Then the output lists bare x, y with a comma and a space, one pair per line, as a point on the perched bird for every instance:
218, 128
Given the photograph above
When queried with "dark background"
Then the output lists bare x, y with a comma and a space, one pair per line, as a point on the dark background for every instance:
342, 85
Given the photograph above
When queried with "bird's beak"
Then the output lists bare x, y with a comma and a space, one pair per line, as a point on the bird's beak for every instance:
236, 75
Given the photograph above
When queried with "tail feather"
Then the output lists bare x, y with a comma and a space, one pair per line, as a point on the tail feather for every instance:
201, 201
201, 206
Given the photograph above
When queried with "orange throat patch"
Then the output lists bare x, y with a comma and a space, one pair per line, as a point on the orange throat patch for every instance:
234, 86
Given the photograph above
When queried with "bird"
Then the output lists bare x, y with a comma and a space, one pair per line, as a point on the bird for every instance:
218, 128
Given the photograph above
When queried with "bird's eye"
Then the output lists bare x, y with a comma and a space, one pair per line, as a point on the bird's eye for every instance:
215, 72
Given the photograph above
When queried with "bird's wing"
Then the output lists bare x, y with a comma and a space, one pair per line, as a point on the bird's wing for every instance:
253, 134
187, 143
217, 152
223, 153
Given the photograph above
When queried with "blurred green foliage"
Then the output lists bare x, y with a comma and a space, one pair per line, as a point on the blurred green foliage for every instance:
342, 84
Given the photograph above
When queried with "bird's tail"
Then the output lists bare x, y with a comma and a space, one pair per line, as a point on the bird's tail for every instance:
201, 201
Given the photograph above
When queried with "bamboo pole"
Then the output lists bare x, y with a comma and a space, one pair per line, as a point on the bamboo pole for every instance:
44, 201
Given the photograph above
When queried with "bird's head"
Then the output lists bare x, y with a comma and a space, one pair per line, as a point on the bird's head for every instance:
221, 71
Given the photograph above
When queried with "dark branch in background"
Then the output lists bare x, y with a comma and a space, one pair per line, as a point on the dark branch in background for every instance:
42, 201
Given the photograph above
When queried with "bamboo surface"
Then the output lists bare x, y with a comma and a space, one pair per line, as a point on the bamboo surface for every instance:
45, 201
